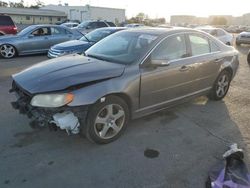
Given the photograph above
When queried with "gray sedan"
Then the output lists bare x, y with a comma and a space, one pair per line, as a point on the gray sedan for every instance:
126, 75
35, 39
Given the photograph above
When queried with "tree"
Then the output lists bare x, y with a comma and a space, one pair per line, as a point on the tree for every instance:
38, 4
3, 4
17, 5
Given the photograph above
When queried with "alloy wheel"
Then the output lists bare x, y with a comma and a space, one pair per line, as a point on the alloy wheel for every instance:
109, 121
222, 85
7, 51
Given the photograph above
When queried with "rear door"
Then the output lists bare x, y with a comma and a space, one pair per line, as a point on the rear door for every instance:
59, 35
166, 84
207, 58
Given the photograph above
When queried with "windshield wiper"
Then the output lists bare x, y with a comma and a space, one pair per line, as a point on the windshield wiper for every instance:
97, 57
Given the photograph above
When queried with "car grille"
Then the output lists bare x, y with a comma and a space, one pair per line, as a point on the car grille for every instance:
55, 53
21, 92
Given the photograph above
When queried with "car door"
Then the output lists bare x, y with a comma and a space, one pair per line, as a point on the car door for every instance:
37, 41
173, 80
206, 56
59, 35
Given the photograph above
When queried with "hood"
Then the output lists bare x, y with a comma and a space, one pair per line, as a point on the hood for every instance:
72, 45
64, 72
8, 38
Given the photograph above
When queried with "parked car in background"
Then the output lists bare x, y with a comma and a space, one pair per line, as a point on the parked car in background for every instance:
127, 75
35, 39
81, 45
134, 25
70, 24
7, 26
87, 26
221, 34
243, 38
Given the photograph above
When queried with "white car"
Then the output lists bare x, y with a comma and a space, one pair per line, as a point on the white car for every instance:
220, 34
70, 24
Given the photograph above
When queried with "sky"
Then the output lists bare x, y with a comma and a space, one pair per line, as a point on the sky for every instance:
166, 8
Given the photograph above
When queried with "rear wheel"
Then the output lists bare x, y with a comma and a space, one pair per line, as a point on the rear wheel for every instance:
107, 120
7, 51
221, 86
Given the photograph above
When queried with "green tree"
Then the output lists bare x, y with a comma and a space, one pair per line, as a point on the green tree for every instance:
3, 4
38, 4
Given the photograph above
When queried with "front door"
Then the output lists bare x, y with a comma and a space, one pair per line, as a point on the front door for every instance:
171, 81
37, 41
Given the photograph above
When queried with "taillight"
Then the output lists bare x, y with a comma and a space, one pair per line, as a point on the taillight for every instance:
15, 28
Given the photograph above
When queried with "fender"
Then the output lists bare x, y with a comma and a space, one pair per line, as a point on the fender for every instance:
128, 84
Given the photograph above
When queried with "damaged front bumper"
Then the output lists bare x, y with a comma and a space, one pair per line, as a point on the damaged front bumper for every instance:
66, 118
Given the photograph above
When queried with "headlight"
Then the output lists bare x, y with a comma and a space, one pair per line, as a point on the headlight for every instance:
52, 100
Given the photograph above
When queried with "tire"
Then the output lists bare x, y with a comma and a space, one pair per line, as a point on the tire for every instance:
221, 86
7, 51
107, 120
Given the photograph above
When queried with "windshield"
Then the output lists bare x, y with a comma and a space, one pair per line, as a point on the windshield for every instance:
96, 35
83, 24
26, 30
123, 47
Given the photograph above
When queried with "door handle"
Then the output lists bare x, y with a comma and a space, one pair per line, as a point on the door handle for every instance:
184, 68
218, 60
45, 37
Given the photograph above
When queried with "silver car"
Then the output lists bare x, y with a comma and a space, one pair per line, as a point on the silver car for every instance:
126, 75
35, 39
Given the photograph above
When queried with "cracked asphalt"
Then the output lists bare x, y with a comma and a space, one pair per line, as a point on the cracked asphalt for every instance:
173, 148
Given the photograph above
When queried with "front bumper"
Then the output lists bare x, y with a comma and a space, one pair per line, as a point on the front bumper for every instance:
68, 118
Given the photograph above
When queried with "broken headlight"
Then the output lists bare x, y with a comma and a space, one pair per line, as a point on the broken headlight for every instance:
52, 100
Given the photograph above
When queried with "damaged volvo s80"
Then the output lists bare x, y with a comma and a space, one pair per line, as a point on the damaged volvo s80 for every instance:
127, 75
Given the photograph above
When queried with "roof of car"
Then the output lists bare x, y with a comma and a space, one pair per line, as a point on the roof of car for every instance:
159, 31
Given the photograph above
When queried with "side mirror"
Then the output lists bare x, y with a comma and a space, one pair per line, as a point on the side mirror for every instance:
160, 63
31, 36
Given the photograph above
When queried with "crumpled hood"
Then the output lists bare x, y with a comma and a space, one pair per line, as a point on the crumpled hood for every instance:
63, 72
72, 45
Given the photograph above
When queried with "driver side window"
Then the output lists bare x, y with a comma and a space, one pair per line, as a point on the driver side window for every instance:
172, 48
41, 32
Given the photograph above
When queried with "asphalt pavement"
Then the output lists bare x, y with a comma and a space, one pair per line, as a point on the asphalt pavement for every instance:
173, 148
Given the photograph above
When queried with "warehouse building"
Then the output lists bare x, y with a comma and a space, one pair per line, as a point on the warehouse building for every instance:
33, 16
87, 12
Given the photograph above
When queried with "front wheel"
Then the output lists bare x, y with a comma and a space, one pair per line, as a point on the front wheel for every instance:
107, 120
7, 51
221, 86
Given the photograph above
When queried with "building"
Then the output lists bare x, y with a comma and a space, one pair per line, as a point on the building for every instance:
182, 20
33, 16
230, 20
87, 12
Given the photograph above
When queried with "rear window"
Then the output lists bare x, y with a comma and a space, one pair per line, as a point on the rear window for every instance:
111, 24
6, 21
